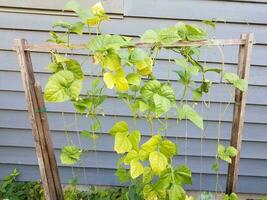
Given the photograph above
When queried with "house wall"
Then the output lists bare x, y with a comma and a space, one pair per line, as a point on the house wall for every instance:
32, 20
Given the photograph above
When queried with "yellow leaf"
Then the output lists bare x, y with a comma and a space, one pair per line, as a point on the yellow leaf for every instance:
112, 61
94, 21
147, 62
146, 71
121, 84
109, 80
97, 58
98, 9
158, 162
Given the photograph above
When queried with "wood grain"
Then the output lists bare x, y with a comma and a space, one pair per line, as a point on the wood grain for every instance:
39, 126
239, 111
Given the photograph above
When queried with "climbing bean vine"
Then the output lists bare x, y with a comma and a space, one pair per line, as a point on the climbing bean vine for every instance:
127, 69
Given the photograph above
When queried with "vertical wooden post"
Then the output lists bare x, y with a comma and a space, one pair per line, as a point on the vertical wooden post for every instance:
239, 111
44, 148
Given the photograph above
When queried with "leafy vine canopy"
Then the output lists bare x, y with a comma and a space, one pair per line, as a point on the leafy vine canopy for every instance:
127, 66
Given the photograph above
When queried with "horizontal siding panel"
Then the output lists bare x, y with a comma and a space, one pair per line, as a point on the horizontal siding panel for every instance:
208, 54
59, 122
111, 6
258, 75
201, 9
130, 26
250, 150
108, 160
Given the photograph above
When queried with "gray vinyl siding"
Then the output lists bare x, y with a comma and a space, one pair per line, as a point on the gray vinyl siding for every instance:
132, 18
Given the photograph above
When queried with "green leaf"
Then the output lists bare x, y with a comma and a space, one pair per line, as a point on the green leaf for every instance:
160, 96
57, 38
215, 167
150, 36
135, 138
112, 61
60, 59
105, 42
185, 77
210, 22
73, 5
70, 155
165, 179
241, 84
62, 63
162, 104
98, 43
62, 86
233, 196
181, 62
136, 169
95, 83
232, 78
75, 67
147, 175
82, 104
194, 33
133, 79
231, 151
120, 126
149, 193
143, 155
76, 27
122, 143
197, 94
95, 126
183, 175
226, 153
131, 155
158, 162
89, 135
169, 35
168, 148
149, 89
123, 175
137, 55
143, 106
189, 113
152, 143
117, 41
225, 197
176, 193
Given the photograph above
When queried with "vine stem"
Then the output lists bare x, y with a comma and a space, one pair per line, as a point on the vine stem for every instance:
150, 121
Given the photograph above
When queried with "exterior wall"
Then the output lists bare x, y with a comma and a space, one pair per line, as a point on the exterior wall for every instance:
132, 18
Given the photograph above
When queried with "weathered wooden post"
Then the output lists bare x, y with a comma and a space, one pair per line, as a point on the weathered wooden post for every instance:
36, 109
245, 51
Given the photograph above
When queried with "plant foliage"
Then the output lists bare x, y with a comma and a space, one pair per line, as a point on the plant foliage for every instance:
146, 163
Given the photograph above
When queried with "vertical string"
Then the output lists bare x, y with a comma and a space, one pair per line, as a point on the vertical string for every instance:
186, 135
69, 139
80, 145
221, 114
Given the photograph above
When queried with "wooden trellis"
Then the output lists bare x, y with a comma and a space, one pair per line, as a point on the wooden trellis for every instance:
36, 107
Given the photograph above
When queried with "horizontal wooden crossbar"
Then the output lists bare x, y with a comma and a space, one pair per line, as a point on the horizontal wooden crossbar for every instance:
211, 42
